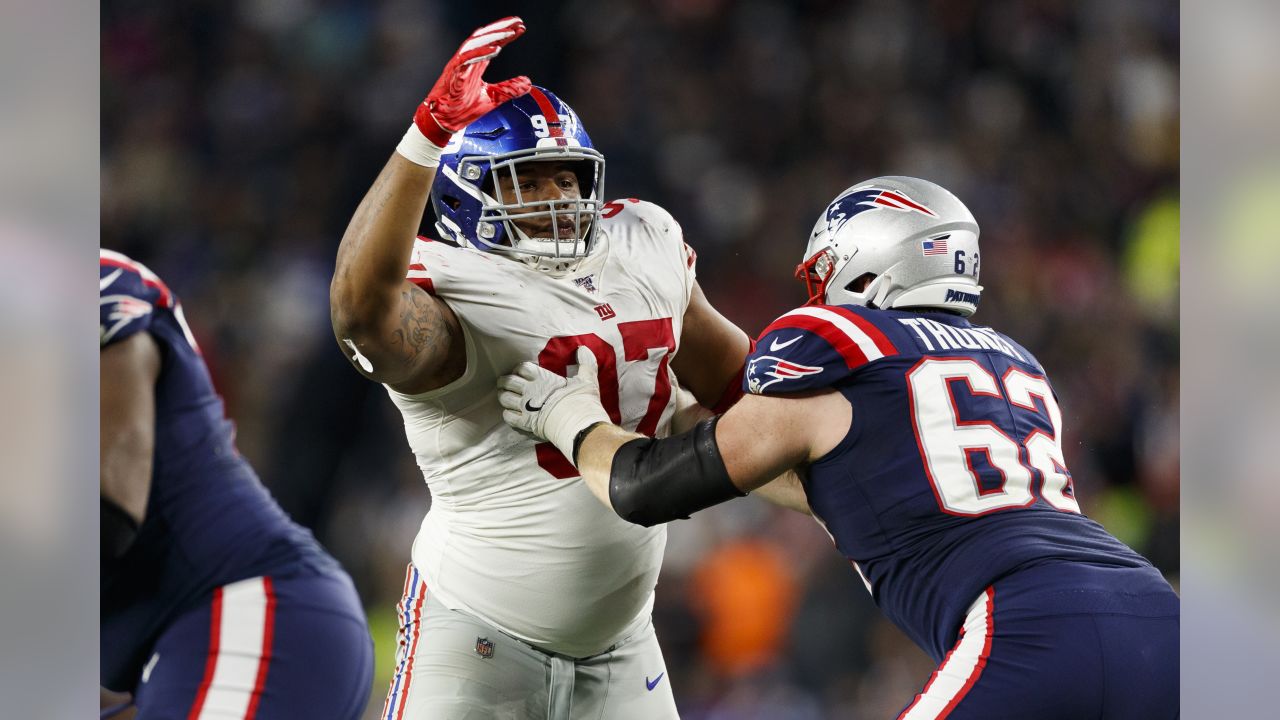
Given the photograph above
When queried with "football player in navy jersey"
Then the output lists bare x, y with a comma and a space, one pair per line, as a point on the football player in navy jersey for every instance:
930, 449
213, 602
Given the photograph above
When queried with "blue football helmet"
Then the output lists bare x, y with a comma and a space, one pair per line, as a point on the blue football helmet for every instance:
469, 203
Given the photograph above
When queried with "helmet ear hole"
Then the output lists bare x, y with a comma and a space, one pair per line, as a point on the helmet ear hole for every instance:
860, 283
453, 202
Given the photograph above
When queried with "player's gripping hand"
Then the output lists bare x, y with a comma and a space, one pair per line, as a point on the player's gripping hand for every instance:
461, 95
552, 407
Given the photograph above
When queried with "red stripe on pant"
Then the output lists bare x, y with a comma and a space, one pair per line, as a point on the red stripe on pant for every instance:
979, 664
396, 712
215, 623
268, 634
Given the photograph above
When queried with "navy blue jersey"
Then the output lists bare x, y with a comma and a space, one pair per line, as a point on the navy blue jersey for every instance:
951, 475
209, 521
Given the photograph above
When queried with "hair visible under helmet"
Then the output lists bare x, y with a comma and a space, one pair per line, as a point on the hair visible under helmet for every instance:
917, 239
467, 198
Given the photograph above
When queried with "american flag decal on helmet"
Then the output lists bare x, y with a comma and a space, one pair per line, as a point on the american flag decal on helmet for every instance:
935, 246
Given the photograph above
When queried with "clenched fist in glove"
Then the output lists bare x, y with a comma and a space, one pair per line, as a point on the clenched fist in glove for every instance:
461, 95
552, 407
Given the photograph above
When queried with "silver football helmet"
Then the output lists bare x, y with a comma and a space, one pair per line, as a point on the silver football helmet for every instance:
914, 240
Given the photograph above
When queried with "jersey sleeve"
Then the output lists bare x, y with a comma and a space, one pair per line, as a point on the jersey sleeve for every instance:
813, 347
420, 262
669, 234
128, 297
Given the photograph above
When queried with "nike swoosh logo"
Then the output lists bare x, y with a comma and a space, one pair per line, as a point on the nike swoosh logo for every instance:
654, 684
775, 346
530, 407
105, 282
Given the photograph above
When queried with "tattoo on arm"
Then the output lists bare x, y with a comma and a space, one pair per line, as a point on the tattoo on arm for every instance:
421, 327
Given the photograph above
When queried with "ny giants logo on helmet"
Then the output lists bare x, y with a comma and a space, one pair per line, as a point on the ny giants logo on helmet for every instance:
860, 201
766, 370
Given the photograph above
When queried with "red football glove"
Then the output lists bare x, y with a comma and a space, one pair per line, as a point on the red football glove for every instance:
461, 95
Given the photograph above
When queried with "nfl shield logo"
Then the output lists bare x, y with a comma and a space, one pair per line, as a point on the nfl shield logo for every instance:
484, 647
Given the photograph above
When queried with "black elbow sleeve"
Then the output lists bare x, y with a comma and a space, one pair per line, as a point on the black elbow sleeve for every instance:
118, 532
657, 481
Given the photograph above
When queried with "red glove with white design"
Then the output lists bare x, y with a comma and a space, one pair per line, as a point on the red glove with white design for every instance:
461, 95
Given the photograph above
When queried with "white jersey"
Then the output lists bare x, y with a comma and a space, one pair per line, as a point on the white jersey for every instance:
513, 537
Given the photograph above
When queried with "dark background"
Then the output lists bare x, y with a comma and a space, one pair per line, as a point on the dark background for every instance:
238, 137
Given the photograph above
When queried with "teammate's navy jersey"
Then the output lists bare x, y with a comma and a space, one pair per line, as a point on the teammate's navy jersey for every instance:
209, 521
951, 475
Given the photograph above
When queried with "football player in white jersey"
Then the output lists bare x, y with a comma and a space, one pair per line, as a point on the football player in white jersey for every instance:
525, 597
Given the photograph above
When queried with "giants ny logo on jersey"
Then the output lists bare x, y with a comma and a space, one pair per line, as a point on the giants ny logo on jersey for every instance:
766, 370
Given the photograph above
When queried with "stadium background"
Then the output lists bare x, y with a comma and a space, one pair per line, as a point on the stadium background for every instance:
237, 138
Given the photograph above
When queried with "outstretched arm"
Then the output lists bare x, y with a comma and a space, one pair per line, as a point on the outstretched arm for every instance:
390, 329
710, 364
761, 440
655, 481
785, 490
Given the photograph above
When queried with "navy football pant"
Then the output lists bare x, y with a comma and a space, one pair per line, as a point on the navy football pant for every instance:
267, 648
1069, 642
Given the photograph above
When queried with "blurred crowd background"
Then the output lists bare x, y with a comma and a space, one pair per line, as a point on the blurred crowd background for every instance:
238, 137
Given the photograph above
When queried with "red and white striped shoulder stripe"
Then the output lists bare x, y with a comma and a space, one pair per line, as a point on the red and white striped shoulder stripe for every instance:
112, 258
857, 339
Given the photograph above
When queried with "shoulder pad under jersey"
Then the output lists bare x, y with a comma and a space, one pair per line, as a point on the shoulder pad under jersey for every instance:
813, 347
419, 272
128, 295
653, 215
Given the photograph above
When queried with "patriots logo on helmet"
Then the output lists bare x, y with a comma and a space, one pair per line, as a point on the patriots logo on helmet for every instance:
766, 370
860, 201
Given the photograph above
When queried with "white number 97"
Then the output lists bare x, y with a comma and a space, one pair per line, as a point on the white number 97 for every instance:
540, 128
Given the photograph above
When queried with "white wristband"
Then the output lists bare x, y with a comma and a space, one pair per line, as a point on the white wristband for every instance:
417, 149
563, 421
